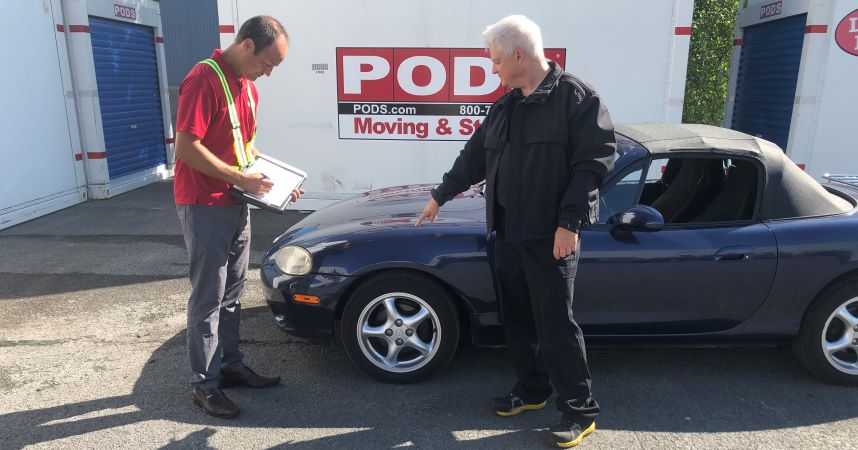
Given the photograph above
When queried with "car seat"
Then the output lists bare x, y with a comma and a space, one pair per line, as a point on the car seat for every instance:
737, 199
680, 191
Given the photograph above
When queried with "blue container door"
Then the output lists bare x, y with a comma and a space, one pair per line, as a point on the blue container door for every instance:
126, 71
768, 74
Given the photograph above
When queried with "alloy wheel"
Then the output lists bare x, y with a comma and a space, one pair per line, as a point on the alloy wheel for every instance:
398, 332
840, 337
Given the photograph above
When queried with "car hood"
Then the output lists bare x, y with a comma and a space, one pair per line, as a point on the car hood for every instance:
388, 210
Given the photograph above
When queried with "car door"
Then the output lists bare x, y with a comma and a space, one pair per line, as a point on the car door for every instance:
685, 278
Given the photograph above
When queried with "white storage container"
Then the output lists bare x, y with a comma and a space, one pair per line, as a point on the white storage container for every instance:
89, 112
382, 93
794, 80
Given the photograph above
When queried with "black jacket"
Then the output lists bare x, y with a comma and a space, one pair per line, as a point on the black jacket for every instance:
561, 143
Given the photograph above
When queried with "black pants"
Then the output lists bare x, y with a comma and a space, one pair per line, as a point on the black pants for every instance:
545, 343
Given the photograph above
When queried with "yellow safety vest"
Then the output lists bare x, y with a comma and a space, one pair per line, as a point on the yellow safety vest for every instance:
243, 153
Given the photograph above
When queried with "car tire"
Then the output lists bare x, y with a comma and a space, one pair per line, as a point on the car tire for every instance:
400, 327
831, 322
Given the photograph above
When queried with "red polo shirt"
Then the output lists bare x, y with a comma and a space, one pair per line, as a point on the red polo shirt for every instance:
203, 112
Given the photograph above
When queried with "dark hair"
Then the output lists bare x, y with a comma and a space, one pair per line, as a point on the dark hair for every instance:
263, 30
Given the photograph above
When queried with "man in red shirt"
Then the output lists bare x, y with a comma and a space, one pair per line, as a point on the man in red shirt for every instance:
216, 126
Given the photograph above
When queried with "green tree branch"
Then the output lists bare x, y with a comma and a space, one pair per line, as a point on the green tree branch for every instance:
709, 61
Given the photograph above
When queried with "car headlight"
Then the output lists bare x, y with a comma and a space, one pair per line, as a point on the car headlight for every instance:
293, 260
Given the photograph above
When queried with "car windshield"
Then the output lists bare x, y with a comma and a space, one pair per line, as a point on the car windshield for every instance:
628, 151
621, 194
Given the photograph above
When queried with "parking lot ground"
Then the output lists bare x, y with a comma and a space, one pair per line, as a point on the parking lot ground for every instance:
92, 320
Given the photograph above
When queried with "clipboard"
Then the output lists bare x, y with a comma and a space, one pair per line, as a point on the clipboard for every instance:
285, 178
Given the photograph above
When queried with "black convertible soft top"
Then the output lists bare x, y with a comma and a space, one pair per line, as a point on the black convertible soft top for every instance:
789, 191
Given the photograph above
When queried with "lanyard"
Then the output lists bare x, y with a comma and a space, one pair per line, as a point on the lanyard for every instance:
243, 153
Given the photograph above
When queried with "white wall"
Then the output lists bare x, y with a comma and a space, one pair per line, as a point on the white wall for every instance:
826, 99
835, 145
627, 49
38, 174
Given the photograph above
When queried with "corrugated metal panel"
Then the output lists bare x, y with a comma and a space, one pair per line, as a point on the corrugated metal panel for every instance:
768, 74
190, 30
126, 71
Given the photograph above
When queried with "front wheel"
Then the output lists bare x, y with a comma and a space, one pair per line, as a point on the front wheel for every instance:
828, 341
400, 327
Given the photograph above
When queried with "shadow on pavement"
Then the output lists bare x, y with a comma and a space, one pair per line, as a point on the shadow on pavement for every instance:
26, 285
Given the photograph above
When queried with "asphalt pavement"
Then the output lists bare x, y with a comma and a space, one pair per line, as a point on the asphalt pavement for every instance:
92, 355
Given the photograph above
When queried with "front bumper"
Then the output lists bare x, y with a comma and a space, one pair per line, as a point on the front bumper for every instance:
309, 321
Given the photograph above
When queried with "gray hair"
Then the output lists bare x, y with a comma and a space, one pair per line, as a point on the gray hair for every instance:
513, 32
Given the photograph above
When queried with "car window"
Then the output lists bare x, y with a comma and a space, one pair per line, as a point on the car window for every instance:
627, 154
686, 189
621, 196
656, 170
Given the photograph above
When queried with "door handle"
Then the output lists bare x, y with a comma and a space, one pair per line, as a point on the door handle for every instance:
734, 253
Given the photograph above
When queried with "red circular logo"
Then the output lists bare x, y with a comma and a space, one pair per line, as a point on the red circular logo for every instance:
847, 33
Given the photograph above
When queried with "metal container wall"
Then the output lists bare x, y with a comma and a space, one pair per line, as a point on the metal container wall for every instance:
126, 71
90, 118
190, 35
42, 172
803, 93
310, 115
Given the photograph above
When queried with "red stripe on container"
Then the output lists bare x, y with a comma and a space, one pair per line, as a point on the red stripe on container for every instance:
159, 40
227, 28
737, 42
61, 28
682, 31
96, 155
79, 28
816, 29
170, 140
78, 157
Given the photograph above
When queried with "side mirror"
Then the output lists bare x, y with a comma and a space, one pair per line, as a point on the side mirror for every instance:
637, 218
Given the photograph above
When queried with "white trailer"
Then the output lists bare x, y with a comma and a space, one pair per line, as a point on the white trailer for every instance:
87, 111
382, 93
794, 79
39, 174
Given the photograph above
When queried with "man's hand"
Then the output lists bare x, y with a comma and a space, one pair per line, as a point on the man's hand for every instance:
565, 242
429, 212
255, 183
296, 194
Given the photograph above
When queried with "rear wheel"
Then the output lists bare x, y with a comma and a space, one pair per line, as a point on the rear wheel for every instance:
400, 327
828, 341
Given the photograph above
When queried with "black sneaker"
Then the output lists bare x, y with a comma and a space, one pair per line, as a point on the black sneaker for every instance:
214, 402
511, 404
568, 433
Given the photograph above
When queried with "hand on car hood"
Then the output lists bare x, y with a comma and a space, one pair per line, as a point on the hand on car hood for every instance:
383, 209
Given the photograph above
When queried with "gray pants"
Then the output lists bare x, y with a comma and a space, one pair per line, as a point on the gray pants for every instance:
218, 242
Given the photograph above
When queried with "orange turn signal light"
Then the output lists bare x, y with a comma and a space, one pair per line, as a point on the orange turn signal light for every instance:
306, 298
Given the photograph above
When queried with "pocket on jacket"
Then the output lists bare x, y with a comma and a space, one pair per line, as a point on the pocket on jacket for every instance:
552, 135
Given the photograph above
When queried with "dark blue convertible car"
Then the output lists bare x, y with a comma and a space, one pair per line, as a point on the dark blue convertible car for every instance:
706, 235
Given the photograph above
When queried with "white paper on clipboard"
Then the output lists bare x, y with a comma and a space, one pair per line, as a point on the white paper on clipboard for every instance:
285, 178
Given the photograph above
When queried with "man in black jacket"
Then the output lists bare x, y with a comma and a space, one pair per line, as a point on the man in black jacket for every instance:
543, 149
